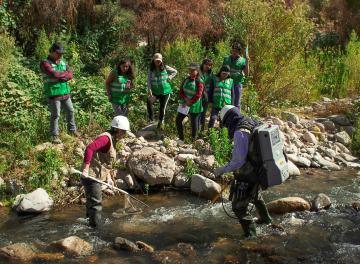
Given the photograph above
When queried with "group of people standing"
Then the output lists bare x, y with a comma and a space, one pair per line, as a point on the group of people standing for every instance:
200, 90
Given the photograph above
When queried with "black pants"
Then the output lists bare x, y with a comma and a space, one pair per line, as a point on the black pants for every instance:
205, 104
163, 99
195, 124
93, 201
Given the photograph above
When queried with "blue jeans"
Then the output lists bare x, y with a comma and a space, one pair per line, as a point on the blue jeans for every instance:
236, 95
55, 107
213, 117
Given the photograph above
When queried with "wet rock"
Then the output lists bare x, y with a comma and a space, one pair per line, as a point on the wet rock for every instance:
168, 257
19, 252
310, 138
49, 257
185, 157
348, 157
343, 137
293, 170
325, 163
315, 164
288, 116
205, 187
124, 244
206, 161
152, 166
35, 202
340, 120
287, 205
293, 221
181, 180
321, 201
356, 205
144, 247
74, 245
353, 165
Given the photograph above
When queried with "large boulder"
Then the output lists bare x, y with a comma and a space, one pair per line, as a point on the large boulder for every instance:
19, 252
343, 138
125, 244
205, 187
35, 202
287, 205
288, 116
152, 166
74, 245
206, 161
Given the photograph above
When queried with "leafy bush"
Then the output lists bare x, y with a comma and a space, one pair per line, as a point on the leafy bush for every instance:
352, 62
220, 145
191, 168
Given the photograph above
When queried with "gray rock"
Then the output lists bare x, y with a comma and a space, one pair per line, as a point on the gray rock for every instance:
325, 163
188, 151
329, 126
74, 245
288, 116
321, 127
343, 137
293, 221
321, 201
152, 166
353, 165
181, 180
350, 130
277, 121
310, 138
342, 147
329, 152
19, 252
293, 170
346, 156
340, 120
185, 157
35, 202
287, 205
124, 244
206, 161
205, 187
315, 164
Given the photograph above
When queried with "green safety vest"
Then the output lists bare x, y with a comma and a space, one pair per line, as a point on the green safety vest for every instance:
159, 83
222, 92
206, 78
236, 68
52, 86
190, 89
117, 89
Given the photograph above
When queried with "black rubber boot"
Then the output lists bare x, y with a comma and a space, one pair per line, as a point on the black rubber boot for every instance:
249, 229
264, 216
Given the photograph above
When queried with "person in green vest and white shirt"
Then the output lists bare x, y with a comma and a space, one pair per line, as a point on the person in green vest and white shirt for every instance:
206, 77
190, 94
220, 93
118, 86
238, 70
56, 76
159, 87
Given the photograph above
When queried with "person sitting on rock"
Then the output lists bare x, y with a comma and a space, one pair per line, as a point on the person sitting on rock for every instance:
245, 188
99, 157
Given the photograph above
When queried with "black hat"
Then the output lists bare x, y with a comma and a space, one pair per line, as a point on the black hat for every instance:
236, 45
58, 48
225, 68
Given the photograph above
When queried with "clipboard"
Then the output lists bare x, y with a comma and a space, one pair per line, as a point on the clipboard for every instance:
183, 109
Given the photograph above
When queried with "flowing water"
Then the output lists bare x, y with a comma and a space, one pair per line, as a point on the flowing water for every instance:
331, 236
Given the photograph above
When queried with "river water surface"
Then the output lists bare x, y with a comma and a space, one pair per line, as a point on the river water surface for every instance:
331, 236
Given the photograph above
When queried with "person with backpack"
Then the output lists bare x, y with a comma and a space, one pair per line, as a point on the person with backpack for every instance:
118, 85
206, 77
220, 93
99, 158
245, 188
190, 94
159, 87
56, 76
238, 70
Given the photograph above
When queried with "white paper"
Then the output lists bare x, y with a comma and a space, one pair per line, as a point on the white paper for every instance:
183, 109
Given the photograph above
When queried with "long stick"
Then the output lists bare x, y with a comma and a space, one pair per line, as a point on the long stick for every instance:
113, 187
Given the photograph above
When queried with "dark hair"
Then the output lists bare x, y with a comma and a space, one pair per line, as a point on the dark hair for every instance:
153, 67
129, 73
205, 61
224, 68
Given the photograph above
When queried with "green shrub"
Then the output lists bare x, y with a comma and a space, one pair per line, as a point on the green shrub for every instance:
220, 145
352, 69
191, 168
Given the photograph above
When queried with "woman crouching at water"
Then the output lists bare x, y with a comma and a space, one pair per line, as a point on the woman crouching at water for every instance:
99, 158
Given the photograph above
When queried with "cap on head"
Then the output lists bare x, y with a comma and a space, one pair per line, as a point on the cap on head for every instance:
120, 122
58, 48
194, 66
236, 45
158, 57
225, 68
224, 110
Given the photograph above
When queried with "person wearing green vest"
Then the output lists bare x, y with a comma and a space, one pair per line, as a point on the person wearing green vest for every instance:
56, 76
220, 93
118, 86
238, 70
206, 77
159, 87
190, 94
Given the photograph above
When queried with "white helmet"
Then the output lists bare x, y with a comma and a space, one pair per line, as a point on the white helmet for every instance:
224, 110
121, 122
